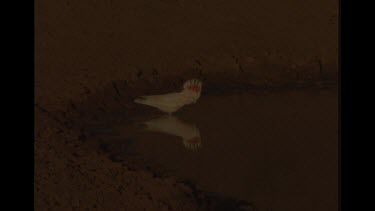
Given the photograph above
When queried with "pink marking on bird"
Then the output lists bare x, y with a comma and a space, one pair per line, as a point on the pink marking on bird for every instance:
194, 88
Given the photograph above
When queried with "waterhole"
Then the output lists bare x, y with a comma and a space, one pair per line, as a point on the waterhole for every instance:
276, 150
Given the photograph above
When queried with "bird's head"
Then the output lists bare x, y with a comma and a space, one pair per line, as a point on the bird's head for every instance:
193, 85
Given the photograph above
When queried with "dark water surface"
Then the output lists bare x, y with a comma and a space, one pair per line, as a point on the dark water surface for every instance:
277, 150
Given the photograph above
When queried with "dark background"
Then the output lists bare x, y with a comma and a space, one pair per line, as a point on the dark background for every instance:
83, 47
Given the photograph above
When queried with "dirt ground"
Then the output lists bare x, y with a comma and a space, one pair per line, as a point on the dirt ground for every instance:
93, 57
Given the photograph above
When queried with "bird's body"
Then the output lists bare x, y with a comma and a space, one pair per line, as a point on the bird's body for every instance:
172, 102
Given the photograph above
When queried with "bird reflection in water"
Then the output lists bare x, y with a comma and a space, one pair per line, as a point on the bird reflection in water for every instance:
173, 126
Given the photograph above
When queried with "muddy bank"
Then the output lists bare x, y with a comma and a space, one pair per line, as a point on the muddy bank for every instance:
70, 175
83, 45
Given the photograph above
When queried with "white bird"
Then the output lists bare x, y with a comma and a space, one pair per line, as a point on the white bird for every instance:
171, 125
171, 102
